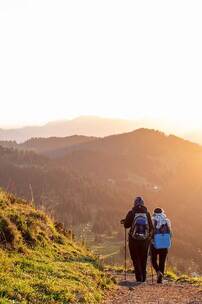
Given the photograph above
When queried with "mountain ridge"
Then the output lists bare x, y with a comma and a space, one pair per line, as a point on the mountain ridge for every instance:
53, 144
92, 126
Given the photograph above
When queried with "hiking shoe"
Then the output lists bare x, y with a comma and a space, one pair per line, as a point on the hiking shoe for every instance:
159, 277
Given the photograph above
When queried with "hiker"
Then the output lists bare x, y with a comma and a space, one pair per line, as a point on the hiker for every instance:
141, 229
161, 242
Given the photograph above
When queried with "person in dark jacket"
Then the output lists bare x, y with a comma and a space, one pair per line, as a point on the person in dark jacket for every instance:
139, 244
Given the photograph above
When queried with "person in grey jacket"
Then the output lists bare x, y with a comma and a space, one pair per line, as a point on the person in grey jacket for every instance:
158, 256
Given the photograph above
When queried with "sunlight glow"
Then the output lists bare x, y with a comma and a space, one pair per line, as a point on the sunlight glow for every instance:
126, 59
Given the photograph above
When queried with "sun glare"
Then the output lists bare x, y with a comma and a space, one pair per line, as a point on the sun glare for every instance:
134, 60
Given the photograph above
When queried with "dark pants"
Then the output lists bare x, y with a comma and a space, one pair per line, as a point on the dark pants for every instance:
162, 254
139, 254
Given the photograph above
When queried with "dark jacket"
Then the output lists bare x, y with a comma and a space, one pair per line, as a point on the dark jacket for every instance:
130, 217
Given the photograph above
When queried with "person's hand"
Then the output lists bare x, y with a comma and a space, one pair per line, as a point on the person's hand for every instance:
122, 222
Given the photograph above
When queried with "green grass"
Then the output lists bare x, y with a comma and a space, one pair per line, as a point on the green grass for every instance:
190, 280
39, 264
183, 278
171, 275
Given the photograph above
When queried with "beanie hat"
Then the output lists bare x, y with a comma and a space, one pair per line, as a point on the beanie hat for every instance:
139, 201
158, 210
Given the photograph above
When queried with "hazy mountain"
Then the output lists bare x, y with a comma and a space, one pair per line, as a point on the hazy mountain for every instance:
9, 144
145, 152
52, 146
90, 126
86, 125
194, 136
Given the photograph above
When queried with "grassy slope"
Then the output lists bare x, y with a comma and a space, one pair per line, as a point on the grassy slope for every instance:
39, 263
183, 278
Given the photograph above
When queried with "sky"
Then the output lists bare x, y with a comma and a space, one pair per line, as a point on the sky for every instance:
123, 59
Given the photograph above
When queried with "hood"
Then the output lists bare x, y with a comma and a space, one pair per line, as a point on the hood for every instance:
160, 219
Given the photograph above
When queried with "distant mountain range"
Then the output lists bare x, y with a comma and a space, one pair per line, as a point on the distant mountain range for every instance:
84, 125
92, 126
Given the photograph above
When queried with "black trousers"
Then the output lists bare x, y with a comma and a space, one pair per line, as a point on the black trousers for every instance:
139, 253
159, 265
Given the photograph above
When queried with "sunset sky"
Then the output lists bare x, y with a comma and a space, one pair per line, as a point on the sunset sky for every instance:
127, 59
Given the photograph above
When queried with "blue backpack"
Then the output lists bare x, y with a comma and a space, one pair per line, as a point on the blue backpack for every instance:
162, 237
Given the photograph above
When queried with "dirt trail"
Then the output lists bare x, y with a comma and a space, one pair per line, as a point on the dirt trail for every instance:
129, 292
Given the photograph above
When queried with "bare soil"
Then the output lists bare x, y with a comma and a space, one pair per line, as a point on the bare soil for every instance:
129, 292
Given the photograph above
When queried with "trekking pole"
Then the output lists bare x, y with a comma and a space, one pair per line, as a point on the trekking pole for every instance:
125, 248
152, 273
167, 264
125, 254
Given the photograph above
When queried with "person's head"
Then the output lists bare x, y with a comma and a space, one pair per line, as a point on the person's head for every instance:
138, 201
158, 211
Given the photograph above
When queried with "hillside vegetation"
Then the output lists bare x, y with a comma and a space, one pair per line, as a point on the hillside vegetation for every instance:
40, 263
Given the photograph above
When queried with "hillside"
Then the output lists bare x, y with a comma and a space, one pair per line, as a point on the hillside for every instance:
58, 190
40, 263
54, 146
132, 152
